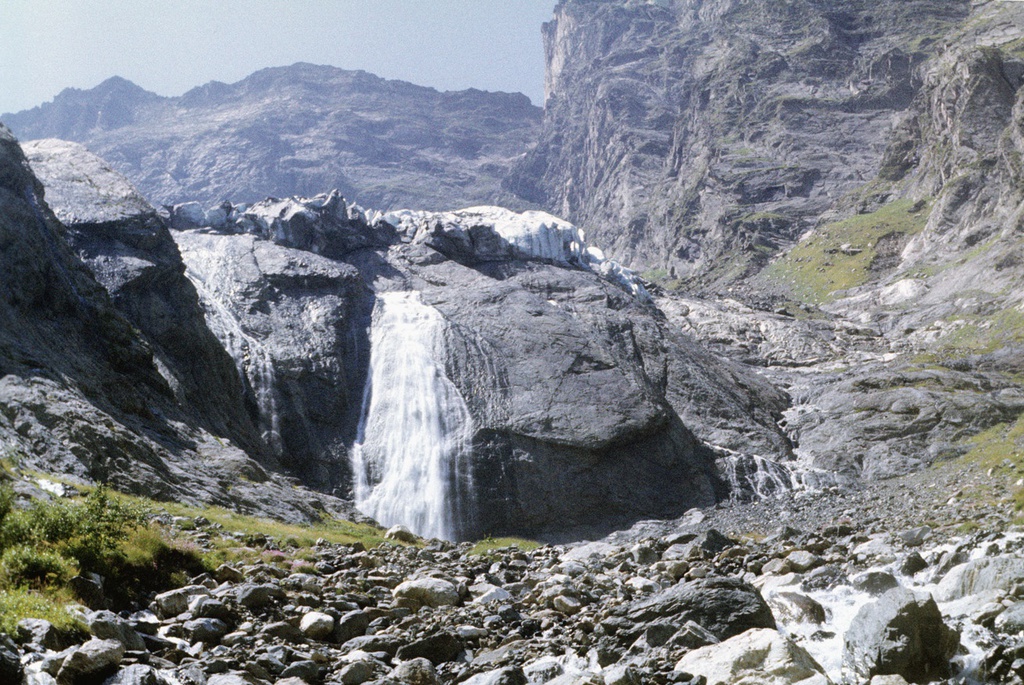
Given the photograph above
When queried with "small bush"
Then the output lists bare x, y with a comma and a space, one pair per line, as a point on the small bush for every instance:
24, 565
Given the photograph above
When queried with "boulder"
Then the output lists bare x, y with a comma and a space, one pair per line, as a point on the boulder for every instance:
757, 657
979, 575
874, 583
431, 592
91, 663
901, 633
797, 607
11, 669
401, 534
438, 648
1011, 621
40, 632
317, 625
135, 674
253, 596
725, 606
418, 671
510, 675
106, 625
350, 625
209, 630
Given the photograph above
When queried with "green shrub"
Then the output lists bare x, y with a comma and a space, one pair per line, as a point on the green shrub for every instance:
24, 565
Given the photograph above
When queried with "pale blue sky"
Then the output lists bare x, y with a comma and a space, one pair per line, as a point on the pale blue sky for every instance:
170, 46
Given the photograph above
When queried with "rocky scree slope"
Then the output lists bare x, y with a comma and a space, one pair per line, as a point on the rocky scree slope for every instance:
842, 600
632, 419
296, 131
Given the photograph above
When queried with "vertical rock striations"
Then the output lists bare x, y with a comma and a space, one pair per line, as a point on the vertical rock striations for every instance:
706, 136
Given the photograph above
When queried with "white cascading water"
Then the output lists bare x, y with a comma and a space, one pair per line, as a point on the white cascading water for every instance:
751, 475
415, 431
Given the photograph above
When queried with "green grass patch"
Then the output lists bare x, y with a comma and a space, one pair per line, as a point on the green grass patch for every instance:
20, 603
489, 545
838, 256
983, 335
1001, 450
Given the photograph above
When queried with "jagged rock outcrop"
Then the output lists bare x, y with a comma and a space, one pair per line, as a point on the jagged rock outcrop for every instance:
130, 252
296, 131
80, 391
703, 137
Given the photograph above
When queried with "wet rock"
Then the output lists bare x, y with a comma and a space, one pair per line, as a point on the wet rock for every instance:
874, 583
913, 564
758, 657
135, 674
979, 575
802, 560
510, 675
901, 633
795, 607
1011, 621
915, 537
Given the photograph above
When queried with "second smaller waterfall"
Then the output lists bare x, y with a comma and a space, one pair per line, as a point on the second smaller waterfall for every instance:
415, 432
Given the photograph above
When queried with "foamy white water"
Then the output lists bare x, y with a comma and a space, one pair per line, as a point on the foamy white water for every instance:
415, 431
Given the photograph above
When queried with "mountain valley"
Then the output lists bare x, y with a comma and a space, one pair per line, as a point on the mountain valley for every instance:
742, 304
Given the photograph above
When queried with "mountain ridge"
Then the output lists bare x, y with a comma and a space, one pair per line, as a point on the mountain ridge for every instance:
298, 130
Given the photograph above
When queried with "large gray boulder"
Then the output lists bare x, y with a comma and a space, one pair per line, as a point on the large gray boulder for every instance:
725, 606
901, 633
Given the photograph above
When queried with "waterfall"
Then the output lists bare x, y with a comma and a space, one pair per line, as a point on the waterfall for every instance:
414, 435
755, 476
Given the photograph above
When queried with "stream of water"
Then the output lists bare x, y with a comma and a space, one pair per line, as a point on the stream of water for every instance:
415, 432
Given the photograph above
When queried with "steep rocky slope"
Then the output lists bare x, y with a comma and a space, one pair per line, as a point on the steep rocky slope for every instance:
296, 131
80, 389
564, 381
850, 176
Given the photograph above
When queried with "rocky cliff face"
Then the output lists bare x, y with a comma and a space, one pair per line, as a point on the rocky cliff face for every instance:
703, 137
585, 410
853, 173
297, 131
247, 349
92, 385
